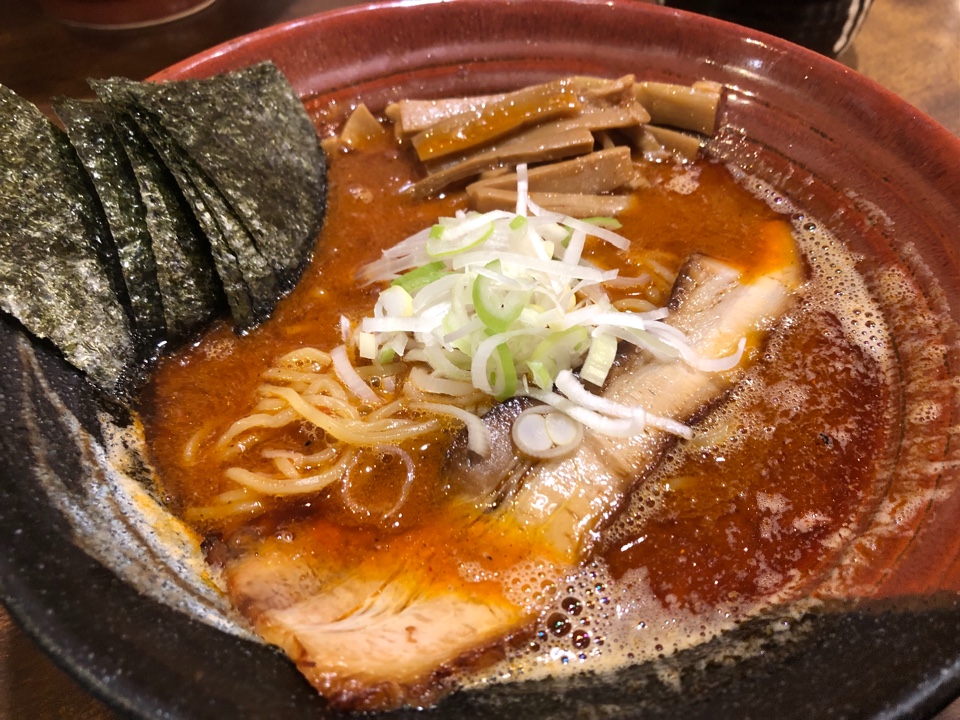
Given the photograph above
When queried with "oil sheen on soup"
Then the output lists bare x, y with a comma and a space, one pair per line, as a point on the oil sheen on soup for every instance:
752, 510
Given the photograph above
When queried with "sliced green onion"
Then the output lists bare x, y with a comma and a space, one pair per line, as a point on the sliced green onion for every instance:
445, 362
505, 304
643, 339
441, 247
503, 376
496, 307
563, 348
562, 429
421, 276
531, 436
395, 302
605, 222
453, 239
544, 432
600, 357
542, 374
367, 345
554, 233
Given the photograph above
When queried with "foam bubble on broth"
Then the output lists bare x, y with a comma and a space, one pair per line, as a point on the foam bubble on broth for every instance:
835, 285
600, 622
685, 181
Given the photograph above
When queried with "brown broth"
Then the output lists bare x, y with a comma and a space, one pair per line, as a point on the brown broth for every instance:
758, 495
205, 387
744, 510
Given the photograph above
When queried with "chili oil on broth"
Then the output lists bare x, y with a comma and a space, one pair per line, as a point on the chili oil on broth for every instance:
746, 514
756, 512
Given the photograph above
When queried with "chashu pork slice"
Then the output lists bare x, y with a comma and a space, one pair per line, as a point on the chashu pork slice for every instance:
370, 637
567, 500
392, 627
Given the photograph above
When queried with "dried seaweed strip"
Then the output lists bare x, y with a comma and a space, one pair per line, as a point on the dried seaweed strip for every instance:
248, 131
53, 276
232, 246
257, 273
184, 269
244, 307
90, 129
188, 284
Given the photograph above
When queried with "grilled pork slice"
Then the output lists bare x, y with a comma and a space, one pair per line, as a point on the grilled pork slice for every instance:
390, 624
567, 500
376, 636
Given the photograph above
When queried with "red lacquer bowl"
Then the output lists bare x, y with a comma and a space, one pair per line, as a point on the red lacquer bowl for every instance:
883, 177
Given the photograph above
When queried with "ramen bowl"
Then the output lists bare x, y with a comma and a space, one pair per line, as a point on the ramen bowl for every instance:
882, 638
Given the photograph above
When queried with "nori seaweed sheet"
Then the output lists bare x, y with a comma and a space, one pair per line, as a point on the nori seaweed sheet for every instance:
173, 198
249, 132
55, 250
233, 239
185, 269
233, 247
89, 126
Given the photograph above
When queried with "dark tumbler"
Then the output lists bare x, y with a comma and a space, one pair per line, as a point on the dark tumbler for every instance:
826, 26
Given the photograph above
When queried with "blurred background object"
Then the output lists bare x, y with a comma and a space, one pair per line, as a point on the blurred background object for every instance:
121, 14
827, 26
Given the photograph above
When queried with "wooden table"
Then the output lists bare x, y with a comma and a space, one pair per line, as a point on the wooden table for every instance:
911, 47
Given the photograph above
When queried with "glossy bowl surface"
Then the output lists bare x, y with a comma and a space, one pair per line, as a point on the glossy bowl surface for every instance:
882, 176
